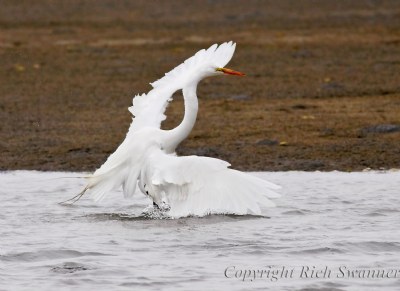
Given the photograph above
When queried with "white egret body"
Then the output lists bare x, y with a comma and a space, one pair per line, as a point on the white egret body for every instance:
181, 186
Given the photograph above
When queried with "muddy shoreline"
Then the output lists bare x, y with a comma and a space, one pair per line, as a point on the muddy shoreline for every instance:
322, 90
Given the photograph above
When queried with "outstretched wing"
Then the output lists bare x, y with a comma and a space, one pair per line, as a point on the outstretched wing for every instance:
123, 166
148, 109
200, 186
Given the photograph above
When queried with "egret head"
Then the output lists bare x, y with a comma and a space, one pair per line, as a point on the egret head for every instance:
205, 63
211, 70
212, 62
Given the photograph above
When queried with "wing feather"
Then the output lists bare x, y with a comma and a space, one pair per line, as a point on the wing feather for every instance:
123, 166
200, 186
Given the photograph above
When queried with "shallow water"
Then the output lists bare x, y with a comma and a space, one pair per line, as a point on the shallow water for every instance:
332, 222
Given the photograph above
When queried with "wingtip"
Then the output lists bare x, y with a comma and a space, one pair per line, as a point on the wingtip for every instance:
213, 47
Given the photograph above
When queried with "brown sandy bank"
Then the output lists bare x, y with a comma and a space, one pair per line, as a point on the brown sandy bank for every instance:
322, 90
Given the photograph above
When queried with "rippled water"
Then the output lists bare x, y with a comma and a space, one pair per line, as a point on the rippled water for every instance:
324, 221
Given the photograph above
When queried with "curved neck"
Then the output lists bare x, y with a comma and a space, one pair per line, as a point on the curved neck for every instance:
178, 134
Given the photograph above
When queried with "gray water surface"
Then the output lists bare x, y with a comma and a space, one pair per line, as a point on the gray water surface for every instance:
327, 222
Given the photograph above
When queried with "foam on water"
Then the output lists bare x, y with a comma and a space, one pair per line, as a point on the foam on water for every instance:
322, 220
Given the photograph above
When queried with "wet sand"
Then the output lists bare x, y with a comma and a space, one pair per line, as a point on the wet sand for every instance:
322, 90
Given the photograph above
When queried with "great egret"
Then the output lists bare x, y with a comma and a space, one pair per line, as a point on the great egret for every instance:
180, 186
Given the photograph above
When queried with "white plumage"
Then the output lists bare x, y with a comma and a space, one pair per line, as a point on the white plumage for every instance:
180, 186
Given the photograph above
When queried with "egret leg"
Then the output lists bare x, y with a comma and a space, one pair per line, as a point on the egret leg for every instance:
165, 207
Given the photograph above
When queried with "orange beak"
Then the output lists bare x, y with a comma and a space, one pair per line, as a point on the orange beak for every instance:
230, 72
